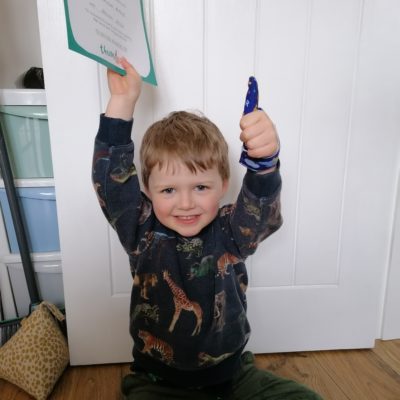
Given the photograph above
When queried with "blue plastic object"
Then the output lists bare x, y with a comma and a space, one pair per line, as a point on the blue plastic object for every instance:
251, 102
38, 206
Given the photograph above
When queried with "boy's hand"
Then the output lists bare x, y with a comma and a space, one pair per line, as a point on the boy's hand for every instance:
259, 135
124, 90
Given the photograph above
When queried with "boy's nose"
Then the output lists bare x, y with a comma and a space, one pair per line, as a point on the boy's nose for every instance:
186, 201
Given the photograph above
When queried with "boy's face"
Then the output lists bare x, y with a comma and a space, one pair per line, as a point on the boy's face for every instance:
183, 201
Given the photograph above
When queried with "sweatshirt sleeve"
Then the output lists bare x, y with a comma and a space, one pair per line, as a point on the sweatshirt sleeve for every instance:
256, 213
115, 180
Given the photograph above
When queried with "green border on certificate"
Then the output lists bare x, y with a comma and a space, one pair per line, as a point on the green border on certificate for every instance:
102, 30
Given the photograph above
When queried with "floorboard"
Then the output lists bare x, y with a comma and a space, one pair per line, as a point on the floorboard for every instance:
337, 375
303, 368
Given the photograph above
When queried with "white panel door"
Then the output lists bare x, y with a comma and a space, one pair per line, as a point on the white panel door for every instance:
391, 321
322, 68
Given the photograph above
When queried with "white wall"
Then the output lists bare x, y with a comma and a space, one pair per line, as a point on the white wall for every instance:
19, 41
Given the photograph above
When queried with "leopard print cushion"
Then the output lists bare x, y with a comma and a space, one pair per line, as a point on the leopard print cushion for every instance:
37, 354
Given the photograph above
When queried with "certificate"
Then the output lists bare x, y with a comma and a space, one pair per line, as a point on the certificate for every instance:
106, 29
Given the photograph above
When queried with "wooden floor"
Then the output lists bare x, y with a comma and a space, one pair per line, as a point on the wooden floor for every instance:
336, 375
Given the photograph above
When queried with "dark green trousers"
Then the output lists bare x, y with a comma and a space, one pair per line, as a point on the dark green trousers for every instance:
250, 383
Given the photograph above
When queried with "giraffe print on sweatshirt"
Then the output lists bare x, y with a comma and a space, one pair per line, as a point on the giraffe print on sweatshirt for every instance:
181, 302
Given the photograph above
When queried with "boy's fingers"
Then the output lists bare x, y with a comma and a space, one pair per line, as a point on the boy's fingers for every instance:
127, 66
261, 149
111, 72
123, 62
259, 140
259, 127
252, 118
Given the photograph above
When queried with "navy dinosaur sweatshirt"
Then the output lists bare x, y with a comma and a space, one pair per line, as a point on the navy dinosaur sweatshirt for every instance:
188, 302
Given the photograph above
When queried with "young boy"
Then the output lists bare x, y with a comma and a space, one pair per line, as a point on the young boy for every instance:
188, 302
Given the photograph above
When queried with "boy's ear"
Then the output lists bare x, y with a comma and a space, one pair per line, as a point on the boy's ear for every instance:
146, 191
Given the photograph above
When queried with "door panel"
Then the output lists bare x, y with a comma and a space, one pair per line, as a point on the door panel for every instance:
321, 66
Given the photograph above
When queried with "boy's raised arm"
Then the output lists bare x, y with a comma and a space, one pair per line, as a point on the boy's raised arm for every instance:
124, 91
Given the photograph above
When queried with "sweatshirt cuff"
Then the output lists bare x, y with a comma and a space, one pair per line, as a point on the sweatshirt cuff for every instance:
263, 185
114, 131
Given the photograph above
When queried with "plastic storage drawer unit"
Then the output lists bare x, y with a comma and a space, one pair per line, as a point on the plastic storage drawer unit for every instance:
28, 141
38, 206
49, 280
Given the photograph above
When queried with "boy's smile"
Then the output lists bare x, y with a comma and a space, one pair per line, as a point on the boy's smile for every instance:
184, 201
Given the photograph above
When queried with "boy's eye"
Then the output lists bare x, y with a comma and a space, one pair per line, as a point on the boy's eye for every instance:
201, 188
167, 190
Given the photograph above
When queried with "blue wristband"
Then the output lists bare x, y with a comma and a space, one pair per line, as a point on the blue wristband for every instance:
251, 104
258, 164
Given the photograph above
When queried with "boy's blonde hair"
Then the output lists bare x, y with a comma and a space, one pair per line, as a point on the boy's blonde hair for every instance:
187, 137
